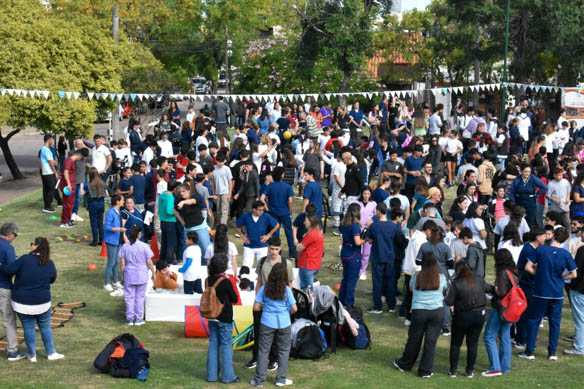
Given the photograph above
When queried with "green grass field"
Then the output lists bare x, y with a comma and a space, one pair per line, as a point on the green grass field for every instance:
180, 362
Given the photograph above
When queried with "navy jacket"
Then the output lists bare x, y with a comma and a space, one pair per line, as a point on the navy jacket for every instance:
32, 284
7, 256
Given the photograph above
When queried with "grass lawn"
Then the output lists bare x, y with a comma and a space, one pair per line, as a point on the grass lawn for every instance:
180, 362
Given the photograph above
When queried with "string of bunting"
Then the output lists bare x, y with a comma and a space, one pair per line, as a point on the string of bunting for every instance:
133, 97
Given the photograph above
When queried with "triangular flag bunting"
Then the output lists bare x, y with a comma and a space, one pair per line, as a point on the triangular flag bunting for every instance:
61, 94
45, 93
76, 95
90, 95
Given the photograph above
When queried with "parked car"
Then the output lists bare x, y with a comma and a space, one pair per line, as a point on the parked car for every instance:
200, 85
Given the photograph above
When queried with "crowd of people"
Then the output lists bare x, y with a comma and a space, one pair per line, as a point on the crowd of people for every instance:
378, 181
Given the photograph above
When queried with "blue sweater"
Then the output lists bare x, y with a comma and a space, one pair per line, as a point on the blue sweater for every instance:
32, 284
7, 256
112, 220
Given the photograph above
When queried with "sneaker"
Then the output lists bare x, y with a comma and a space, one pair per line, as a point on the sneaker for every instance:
129, 322
65, 225
16, 356
236, 380
391, 310
117, 293
285, 383
251, 364
552, 357
492, 373
93, 244
55, 356
569, 338
445, 332
572, 351
273, 366
469, 374
337, 233
118, 285
253, 382
237, 235
363, 277
451, 374
108, 287
374, 311
526, 355
49, 210
139, 322
397, 366
407, 323
519, 345
427, 375
32, 358
77, 218
71, 224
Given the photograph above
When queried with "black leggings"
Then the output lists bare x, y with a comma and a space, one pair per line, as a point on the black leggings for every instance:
469, 324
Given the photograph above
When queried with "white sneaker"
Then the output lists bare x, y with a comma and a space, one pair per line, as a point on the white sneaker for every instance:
118, 285
237, 235
117, 293
285, 383
32, 359
363, 277
407, 323
108, 287
76, 218
55, 356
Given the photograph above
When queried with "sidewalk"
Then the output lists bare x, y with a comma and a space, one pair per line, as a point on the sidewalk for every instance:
11, 189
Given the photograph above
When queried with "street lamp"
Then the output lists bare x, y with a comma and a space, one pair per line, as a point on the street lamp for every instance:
228, 69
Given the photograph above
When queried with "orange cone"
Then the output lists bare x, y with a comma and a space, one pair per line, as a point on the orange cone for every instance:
154, 247
103, 252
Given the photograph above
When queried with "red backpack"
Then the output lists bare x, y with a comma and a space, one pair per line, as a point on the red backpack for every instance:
514, 303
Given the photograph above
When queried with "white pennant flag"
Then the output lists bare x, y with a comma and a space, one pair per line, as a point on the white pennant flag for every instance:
2, 92
90, 95
68, 94
76, 95
10, 92
119, 96
45, 93
303, 98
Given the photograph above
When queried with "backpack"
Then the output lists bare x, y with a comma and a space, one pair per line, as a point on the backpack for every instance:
111, 358
360, 342
310, 341
211, 307
514, 303
115, 168
303, 304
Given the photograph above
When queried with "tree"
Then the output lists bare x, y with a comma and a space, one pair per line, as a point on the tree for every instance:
45, 50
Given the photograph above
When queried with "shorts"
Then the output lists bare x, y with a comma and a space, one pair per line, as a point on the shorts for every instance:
451, 158
221, 130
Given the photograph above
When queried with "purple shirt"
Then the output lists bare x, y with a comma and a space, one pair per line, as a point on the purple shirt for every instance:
136, 257
328, 121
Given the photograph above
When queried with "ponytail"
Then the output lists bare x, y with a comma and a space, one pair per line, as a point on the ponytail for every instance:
134, 233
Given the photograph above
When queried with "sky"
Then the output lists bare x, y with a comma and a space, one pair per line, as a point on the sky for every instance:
408, 5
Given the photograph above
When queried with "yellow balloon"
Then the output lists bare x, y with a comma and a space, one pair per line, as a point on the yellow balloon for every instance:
287, 134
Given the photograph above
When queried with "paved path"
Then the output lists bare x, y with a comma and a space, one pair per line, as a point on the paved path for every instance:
10, 189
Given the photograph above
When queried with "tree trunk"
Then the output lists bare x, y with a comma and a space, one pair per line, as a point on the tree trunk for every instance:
344, 87
477, 81
14, 170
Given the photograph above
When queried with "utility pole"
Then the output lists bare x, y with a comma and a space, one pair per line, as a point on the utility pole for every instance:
226, 57
115, 127
504, 88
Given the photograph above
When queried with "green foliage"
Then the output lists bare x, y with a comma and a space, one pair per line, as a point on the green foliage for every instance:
269, 66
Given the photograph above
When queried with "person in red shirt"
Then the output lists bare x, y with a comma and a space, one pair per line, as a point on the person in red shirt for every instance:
335, 137
68, 181
310, 251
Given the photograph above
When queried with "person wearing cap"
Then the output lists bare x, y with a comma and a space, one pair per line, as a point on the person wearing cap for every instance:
8, 232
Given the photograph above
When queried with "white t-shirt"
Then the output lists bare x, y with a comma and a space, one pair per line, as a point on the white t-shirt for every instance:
452, 145
195, 270
550, 141
524, 124
232, 249
514, 250
443, 141
147, 156
559, 190
99, 157
125, 155
190, 116
322, 140
274, 136
201, 140
165, 148
338, 169
476, 225
563, 138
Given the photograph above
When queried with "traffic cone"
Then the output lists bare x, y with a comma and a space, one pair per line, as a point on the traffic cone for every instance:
103, 252
154, 247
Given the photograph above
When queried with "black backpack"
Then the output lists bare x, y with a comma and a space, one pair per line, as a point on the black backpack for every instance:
309, 343
115, 167
303, 311
111, 358
360, 342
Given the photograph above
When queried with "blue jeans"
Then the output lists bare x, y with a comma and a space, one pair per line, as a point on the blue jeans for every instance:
220, 338
96, 210
29, 323
306, 277
552, 308
351, 268
499, 359
577, 303
112, 262
383, 276
286, 222
539, 215
203, 241
168, 241
180, 241
77, 197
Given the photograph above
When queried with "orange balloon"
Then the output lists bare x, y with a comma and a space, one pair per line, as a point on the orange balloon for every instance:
92, 267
